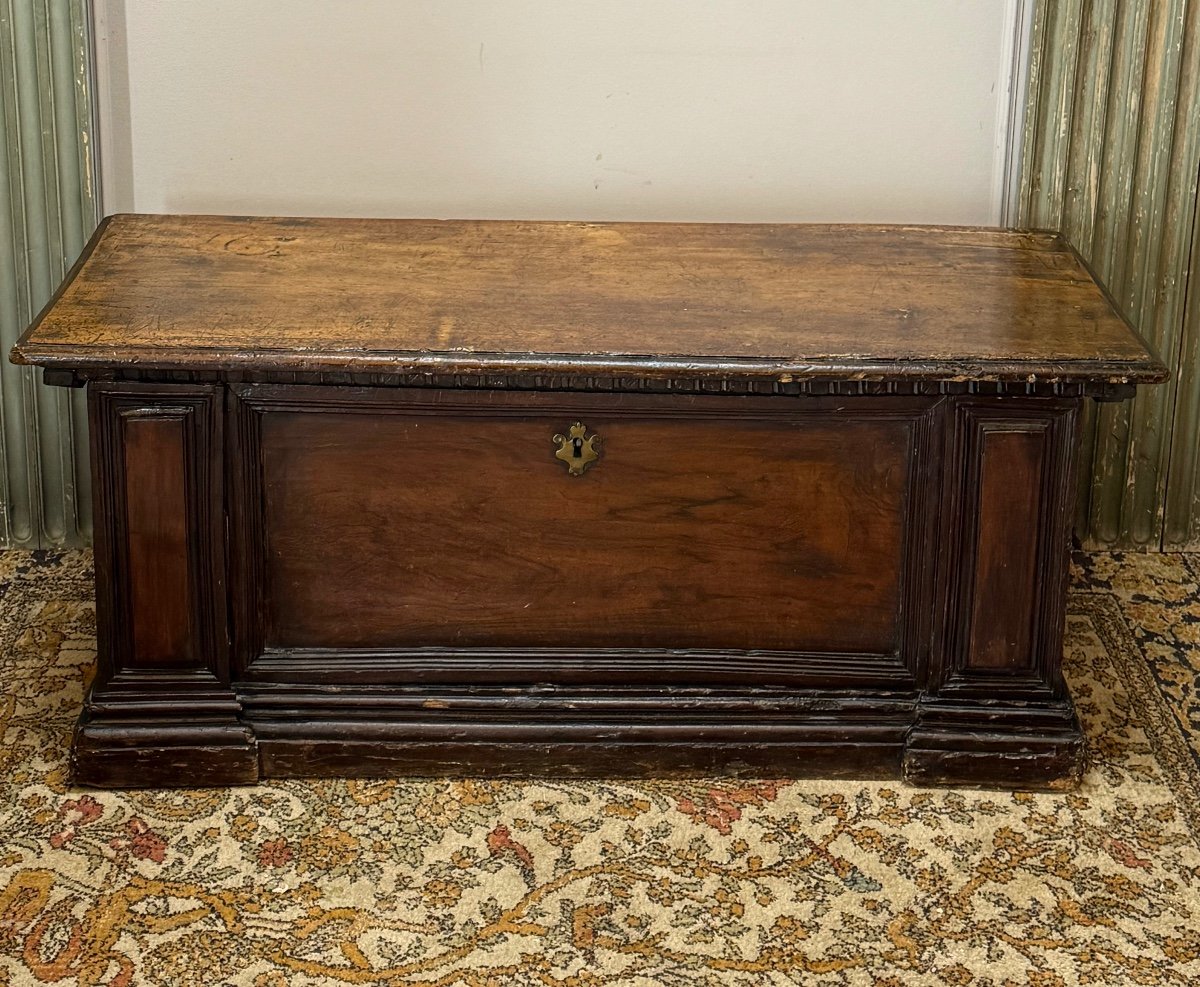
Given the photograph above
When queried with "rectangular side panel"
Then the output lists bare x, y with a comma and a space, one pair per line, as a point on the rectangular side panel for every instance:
457, 528
1009, 508
156, 518
1006, 543
160, 555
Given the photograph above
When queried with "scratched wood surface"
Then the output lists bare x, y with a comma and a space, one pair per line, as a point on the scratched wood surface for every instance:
219, 293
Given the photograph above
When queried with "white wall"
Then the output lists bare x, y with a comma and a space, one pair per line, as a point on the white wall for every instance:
750, 110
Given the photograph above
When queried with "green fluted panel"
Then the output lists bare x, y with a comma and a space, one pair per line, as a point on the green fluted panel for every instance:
1055, 39
47, 210
1114, 138
1181, 523
1164, 190
1106, 219
1181, 529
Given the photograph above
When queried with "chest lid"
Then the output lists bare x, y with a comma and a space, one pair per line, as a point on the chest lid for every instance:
763, 302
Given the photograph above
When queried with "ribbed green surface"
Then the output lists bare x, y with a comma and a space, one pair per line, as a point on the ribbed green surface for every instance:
1182, 522
1112, 156
47, 210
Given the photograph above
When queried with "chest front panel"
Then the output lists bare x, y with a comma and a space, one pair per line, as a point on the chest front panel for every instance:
446, 520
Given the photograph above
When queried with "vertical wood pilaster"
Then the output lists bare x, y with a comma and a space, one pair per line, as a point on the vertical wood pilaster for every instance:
996, 707
1013, 468
163, 651
158, 464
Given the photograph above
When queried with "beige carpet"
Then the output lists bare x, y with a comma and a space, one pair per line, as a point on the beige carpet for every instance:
584, 883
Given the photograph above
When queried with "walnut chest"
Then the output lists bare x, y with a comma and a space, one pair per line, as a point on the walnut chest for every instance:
379, 497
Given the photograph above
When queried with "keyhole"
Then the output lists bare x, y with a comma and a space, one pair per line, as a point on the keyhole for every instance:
577, 448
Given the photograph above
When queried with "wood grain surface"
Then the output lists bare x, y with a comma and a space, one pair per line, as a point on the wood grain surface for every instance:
413, 531
160, 591
778, 301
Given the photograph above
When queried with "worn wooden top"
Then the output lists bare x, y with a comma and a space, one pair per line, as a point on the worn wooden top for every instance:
648, 299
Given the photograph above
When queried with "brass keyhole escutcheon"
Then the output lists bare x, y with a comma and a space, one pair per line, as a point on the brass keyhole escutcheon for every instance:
577, 449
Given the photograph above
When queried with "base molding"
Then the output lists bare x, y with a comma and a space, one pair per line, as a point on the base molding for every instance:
163, 754
597, 733
327, 758
368, 732
996, 746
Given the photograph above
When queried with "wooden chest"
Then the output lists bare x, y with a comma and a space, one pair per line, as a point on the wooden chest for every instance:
492, 497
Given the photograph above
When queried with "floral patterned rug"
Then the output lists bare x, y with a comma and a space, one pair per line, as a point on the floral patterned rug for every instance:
639, 883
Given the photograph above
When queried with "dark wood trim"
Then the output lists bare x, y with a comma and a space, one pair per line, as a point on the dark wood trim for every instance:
1003, 744
156, 752
602, 733
595, 708
502, 402
566, 667
1118, 385
244, 530
817, 754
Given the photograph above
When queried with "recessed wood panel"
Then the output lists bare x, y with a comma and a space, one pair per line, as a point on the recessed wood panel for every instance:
1008, 522
156, 520
390, 530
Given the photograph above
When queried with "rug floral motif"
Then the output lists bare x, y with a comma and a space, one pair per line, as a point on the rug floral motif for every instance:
582, 883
